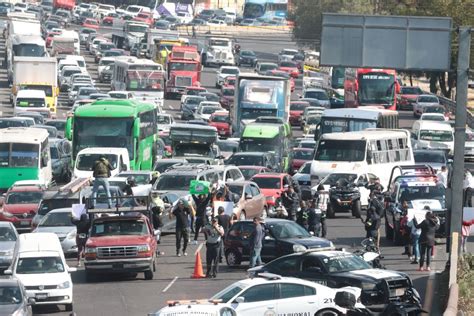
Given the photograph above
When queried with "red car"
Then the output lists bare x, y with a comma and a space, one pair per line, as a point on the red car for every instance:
290, 67
220, 120
249, 171
300, 156
91, 23
49, 38
109, 19
296, 111
407, 97
272, 185
145, 18
230, 81
21, 205
227, 96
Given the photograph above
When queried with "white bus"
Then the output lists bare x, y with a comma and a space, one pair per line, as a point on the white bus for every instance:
354, 120
24, 155
143, 77
374, 151
433, 135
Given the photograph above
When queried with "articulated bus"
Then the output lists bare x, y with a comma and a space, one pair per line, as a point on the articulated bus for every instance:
24, 155
116, 123
254, 9
354, 120
143, 77
367, 86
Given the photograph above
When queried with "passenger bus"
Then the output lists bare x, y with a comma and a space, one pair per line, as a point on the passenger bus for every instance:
116, 123
367, 86
350, 120
24, 155
143, 77
266, 137
268, 9
374, 151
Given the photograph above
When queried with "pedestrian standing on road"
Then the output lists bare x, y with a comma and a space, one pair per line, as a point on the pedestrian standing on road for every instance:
225, 221
443, 176
83, 224
427, 237
322, 200
405, 230
302, 216
214, 233
101, 173
181, 212
468, 186
415, 241
256, 243
372, 224
314, 219
291, 202
202, 202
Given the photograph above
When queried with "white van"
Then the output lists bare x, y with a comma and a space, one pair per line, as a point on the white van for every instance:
117, 157
30, 100
75, 36
41, 266
433, 135
81, 62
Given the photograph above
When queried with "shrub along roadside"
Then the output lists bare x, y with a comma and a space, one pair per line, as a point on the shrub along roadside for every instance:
466, 283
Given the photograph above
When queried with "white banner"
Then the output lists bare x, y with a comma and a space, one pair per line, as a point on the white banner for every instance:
228, 207
78, 210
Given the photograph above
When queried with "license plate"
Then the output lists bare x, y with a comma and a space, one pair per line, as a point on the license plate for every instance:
221, 132
346, 202
42, 296
117, 266
399, 292
24, 223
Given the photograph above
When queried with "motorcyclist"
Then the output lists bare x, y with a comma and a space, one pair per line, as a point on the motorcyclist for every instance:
131, 183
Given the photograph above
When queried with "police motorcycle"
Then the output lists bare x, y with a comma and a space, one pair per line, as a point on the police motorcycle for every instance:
370, 253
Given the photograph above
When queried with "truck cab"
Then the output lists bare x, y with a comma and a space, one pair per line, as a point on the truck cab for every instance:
31, 100
86, 158
184, 69
219, 52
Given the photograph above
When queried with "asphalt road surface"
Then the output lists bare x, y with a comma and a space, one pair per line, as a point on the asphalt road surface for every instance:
129, 295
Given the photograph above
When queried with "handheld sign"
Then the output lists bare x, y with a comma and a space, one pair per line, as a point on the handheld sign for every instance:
199, 187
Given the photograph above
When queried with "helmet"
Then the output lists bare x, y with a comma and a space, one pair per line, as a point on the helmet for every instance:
131, 180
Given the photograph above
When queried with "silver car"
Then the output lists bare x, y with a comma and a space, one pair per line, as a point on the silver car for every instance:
59, 222
423, 101
8, 241
13, 299
320, 94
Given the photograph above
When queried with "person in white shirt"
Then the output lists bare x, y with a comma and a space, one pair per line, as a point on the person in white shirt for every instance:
443, 176
468, 186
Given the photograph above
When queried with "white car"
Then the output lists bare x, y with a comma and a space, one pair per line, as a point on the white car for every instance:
438, 117
422, 101
121, 95
224, 72
164, 121
204, 112
287, 55
104, 62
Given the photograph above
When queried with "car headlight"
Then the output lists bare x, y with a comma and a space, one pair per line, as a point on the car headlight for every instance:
71, 235
143, 248
64, 285
299, 248
90, 250
368, 286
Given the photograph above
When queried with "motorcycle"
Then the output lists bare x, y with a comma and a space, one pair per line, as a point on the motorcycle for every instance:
370, 253
410, 306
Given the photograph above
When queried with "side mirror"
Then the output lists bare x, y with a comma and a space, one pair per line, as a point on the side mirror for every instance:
240, 299
8, 272
124, 167
248, 197
71, 269
31, 301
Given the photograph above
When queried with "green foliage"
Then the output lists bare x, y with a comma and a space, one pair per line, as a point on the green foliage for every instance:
466, 283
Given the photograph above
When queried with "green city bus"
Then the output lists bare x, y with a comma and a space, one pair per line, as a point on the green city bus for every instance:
268, 137
116, 123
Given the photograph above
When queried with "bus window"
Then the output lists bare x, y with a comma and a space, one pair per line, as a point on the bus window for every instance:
24, 155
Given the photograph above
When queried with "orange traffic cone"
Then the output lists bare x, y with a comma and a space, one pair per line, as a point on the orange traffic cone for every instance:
198, 273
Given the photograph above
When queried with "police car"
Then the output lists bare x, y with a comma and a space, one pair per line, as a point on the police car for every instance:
336, 269
419, 187
269, 295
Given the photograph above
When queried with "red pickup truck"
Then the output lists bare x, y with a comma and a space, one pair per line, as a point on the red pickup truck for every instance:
121, 243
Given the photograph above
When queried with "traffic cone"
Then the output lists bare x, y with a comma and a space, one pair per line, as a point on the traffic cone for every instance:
198, 273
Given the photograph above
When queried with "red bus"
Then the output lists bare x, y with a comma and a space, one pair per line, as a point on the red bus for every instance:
371, 87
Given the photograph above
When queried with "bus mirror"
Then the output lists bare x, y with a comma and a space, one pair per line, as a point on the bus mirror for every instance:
136, 128
397, 87
68, 129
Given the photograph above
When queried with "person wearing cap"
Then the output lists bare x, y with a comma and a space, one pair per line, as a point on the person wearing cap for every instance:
101, 173
182, 213
214, 233
201, 201
225, 221
256, 243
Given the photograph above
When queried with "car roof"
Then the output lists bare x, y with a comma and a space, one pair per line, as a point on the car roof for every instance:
250, 153
61, 210
9, 282
241, 183
270, 175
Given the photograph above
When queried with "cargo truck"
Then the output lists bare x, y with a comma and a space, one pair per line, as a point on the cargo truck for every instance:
64, 4
128, 33
183, 69
36, 73
62, 46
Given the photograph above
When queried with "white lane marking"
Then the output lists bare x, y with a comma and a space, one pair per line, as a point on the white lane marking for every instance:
170, 284
198, 248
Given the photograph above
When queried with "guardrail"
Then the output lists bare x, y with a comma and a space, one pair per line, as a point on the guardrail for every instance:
236, 30
451, 107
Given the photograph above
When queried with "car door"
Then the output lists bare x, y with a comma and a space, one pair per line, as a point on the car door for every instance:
259, 299
297, 299
258, 198
311, 269
269, 247
249, 202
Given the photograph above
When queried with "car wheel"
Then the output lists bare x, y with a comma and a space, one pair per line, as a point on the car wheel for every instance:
356, 209
328, 312
233, 258
149, 274
68, 307
242, 216
330, 211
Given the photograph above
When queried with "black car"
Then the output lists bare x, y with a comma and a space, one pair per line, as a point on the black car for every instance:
247, 57
337, 269
282, 237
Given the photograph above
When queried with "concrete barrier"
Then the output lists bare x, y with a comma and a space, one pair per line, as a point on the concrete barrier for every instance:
452, 306
236, 30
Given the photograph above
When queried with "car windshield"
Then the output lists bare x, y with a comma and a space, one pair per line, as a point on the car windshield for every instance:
244, 160
249, 172
56, 220
183, 66
422, 192
39, 265
333, 178
228, 293
194, 100
341, 150
305, 169
7, 234
86, 162
231, 71
228, 92
429, 156
436, 136
268, 182
344, 263
298, 106
220, 118
434, 109
24, 197
303, 154
10, 295
139, 178
411, 90
427, 99
247, 53
236, 189
313, 120
438, 118
287, 229
163, 119
287, 64
319, 95
227, 145
174, 182
265, 67
210, 109
119, 227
